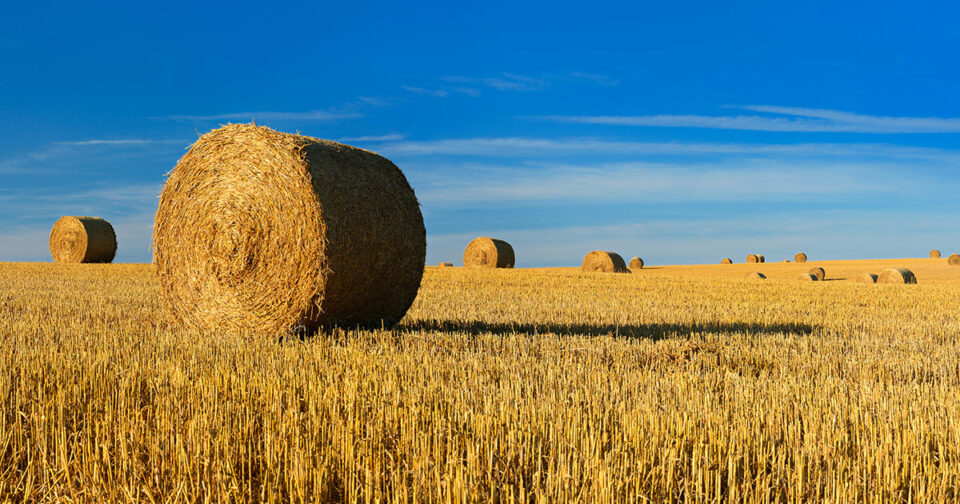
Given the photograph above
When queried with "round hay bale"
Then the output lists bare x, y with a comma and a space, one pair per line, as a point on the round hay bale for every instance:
488, 253
934, 254
755, 276
954, 260
818, 272
800, 257
636, 263
604, 262
808, 277
82, 240
867, 278
760, 258
259, 231
726, 260
897, 276
446, 265
752, 258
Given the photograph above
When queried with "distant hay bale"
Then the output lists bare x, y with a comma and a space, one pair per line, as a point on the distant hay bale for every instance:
446, 265
636, 263
808, 277
818, 272
755, 276
954, 260
760, 258
752, 259
82, 240
800, 257
259, 231
726, 260
867, 278
487, 252
934, 254
897, 276
605, 262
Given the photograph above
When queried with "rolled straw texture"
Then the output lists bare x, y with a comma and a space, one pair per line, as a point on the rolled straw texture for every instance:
82, 240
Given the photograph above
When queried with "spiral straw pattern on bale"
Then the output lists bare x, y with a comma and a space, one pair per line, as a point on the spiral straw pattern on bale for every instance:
818, 272
934, 254
954, 260
636, 263
897, 276
82, 240
262, 232
605, 262
487, 252
752, 259
800, 257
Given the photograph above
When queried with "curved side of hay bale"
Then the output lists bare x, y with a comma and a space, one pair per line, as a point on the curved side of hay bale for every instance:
954, 260
867, 278
800, 257
755, 276
897, 276
752, 259
934, 254
636, 263
818, 272
488, 252
808, 277
726, 260
259, 231
604, 262
82, 240
760, 258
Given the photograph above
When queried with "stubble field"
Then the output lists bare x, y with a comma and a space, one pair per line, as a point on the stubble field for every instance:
668, 384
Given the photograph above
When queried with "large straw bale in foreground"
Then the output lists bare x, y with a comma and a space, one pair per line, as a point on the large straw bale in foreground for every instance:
264, 232
800, 257
488, 253
934, 254
605, 262
954, 260
636, 263
82, 240
897, 276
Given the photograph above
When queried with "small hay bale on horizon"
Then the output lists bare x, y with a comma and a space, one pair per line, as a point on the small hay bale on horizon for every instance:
636, 263
897, 276
262, 233
867, 278
77, 239
818, 272
445, 265
761, 258
954, 260
486, 252
604, 262
755, 275
934, 254
726, 260
808, 277
800, 257
752, 259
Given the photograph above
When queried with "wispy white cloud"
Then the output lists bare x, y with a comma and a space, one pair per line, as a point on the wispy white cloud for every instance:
312, 115
796, 120
439, 93
471, 86
54, 156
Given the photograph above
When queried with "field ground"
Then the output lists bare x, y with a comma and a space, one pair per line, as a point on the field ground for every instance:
680, 383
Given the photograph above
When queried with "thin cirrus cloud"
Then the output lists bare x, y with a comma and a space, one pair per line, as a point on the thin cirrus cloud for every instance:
471, 86
312, 115
784, 119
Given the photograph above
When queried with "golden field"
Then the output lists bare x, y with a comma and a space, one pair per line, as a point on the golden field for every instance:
679, 383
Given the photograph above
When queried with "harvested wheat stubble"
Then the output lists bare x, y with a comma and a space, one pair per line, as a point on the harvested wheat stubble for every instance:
636, 263
446, 265
260, 231
753, 258
726, 260
934, 254
755, 276
605, 262
818, 272
897, 276
82, 240
808, 277
488, 253
954, 260
867, 278
800, 257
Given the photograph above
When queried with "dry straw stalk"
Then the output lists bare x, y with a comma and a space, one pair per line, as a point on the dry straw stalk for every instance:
82, 240
488, 253
261, 231
897, 276
605, 262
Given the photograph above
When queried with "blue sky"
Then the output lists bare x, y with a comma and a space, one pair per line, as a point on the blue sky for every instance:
682, 132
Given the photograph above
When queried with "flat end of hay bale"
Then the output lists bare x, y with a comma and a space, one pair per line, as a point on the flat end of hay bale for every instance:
752, 258
800, 257
954, 260
80, 239
636, 263
603, 262
934, 254
897, 276
486, 252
